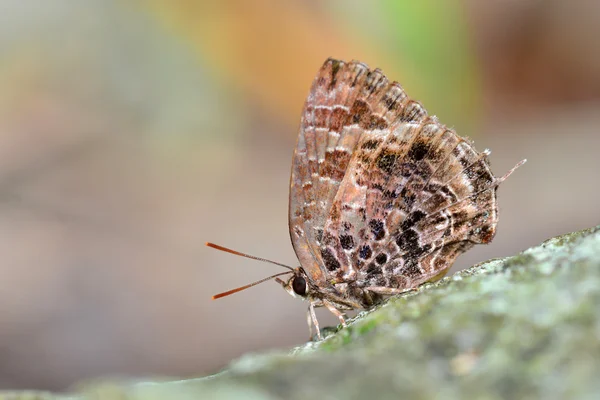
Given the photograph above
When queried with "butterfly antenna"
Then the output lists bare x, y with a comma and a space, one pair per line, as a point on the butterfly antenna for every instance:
237, 253
232, 291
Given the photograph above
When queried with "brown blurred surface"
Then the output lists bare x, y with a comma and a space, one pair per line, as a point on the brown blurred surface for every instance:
122, 151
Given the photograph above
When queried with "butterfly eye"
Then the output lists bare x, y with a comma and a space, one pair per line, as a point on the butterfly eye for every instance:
299, 285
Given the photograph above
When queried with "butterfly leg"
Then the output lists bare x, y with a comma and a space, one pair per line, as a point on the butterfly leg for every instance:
311, 318
387, 291
337, 313
309, 321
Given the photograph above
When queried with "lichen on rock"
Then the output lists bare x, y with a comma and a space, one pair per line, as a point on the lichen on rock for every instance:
526, 326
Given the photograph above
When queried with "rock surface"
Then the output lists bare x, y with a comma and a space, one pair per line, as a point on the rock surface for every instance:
526, 326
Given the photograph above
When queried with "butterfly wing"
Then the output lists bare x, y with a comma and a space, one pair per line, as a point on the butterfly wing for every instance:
346, 102
414, 196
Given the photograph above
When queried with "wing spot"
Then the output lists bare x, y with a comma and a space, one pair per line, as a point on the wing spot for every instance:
347, 242
370, 144
331, 263
408, 240
318, 235
411, 269
374, 122
377, 228
381, 258
365, 252
359, 108
418, 151
386, 162
373, 269
412, 219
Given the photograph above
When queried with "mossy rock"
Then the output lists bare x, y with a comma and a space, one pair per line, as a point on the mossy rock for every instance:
521, 327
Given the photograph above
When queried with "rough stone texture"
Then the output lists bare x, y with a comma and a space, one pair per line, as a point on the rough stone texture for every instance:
526, 326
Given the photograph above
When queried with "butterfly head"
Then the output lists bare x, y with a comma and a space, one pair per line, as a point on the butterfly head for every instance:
298, 285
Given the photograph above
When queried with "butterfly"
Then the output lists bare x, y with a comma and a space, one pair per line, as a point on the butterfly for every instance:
383, 197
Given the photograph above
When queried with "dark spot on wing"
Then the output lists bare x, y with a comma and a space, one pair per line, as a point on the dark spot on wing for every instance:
418, 151
464, 161
331, 263
365, 252
377, 228
359, 108
391, 194
370, 144
373, 269
386, 161
412, 112
460, 216
347, 242
335, 67
411, 269
449, 194
319, 235
374, 122
409, 201
375, 79
407, 169
408, 240
487, 233
381, 258
421, 251
378, 186
412, 219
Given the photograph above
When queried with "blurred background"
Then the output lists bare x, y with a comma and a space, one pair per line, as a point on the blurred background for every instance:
131, 132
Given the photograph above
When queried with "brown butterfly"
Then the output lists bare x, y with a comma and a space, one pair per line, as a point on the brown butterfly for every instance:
383, 197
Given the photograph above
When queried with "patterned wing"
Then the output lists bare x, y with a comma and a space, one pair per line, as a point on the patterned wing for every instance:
346, 101
414, 196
